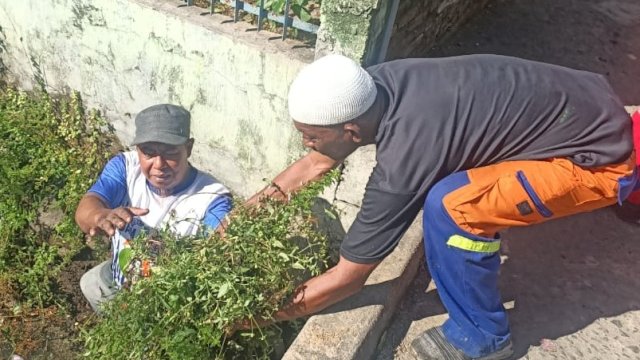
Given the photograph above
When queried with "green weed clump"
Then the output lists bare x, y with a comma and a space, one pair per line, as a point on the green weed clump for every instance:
50, 153
202, 286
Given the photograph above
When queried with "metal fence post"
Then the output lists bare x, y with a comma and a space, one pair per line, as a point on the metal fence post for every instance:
261, 14
236, 13
287, 5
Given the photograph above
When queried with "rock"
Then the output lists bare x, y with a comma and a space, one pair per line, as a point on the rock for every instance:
548, 345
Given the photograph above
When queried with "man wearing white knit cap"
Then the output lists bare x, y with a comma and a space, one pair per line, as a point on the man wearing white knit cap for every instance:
480, 143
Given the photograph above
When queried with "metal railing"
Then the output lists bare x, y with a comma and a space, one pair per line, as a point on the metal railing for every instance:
262, 14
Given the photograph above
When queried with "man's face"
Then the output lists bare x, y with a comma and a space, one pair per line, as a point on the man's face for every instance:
164, 165
332, 141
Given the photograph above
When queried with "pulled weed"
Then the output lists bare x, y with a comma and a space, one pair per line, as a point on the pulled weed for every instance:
200, 287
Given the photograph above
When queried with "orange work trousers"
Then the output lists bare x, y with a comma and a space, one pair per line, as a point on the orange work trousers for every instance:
520, 193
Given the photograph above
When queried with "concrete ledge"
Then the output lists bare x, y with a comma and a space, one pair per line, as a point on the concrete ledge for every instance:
352, 328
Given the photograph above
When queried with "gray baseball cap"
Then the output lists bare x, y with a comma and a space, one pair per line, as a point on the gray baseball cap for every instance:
163, 123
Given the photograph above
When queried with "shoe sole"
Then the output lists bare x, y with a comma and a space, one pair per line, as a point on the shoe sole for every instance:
502, 354
419, 352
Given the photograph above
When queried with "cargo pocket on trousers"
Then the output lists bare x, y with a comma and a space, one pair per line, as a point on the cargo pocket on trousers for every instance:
533, 196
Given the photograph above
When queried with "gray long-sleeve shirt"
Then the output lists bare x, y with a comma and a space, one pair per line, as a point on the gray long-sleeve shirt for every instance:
450, 114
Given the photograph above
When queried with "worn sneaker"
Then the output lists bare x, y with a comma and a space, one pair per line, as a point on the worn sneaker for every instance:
432, 345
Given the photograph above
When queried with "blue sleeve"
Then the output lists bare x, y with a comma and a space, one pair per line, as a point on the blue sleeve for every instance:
216, 211
111, 186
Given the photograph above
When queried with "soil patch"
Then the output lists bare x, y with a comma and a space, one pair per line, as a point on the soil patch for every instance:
49, 333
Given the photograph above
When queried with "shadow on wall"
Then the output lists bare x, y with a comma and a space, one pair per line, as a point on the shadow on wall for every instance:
594, 35
560, 276
329, 222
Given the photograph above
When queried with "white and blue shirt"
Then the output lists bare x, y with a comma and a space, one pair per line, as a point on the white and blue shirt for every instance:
199, 199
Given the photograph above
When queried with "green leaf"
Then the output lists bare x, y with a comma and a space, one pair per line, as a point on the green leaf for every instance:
277, 6
302, 13
330, 214
224, 289
124, 257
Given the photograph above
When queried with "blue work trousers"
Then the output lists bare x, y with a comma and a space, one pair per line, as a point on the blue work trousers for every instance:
467, 281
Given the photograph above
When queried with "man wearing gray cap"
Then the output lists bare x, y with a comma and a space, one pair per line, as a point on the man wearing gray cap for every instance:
153, 187
480, 143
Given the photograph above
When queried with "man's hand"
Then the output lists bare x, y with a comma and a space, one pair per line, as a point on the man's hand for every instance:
94, 216
108, 220
248, 324
338, 283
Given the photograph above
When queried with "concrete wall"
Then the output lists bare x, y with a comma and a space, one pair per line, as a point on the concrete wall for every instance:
372, 31
124, 55
420, 24
356, 28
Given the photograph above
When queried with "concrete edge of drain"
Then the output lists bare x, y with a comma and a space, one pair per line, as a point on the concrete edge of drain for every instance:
352, 328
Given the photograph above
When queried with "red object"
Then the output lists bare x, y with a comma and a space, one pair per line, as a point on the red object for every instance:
636, 132
634, 198
146, 268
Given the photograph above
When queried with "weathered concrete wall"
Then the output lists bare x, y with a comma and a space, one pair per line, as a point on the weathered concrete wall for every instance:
355, 28
420, 24
371, 31
124, 55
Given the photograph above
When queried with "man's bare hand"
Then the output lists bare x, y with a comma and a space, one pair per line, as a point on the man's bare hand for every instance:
108, 220
247, 324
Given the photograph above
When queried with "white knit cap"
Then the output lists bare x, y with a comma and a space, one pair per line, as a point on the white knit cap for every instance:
331, 90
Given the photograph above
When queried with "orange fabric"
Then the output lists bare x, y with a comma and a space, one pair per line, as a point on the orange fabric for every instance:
495, 198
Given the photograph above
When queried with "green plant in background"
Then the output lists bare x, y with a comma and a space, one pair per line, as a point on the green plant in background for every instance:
303, 9
50, 152
202, 286
298, 7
